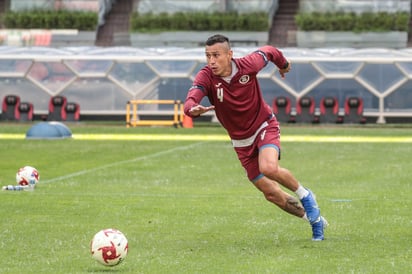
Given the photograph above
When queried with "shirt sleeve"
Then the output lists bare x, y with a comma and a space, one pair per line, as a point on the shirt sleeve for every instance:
193, 98
196, 93
272, 54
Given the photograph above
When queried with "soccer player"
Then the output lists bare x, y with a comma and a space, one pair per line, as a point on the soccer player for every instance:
233, 90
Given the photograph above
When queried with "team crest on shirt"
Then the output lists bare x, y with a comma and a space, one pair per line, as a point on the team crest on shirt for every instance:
244, 79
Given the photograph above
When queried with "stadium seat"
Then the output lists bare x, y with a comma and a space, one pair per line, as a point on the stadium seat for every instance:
10, 108
57, 108
354, 110
72, 112
26, 112
329, 110
282, 108
305, 110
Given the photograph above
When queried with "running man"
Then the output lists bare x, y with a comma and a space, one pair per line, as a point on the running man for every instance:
233, 90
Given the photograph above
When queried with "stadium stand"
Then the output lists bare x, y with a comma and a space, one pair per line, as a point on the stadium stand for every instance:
138, 71
354, 110
57, 108
10, 108
72, 112
282, 108
329, 110
305, 110
26, 111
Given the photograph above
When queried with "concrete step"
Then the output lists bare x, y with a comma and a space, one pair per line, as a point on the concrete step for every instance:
283, 24
117, 21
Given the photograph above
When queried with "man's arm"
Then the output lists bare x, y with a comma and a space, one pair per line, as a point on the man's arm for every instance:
274, 55
286, 68
198, 110
192, 107
195, 95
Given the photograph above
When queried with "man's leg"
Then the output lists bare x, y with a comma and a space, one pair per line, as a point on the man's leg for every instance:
269, 166
274, 194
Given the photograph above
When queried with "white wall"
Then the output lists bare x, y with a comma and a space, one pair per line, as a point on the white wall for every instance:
16, 5
157, 6
357, 6
89, 5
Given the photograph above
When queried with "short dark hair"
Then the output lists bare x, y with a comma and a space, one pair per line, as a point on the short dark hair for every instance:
217, 38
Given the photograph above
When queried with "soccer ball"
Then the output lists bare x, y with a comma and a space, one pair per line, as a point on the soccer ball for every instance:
109, 247
27, 176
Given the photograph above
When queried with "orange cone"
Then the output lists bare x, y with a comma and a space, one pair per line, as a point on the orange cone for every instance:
187, 121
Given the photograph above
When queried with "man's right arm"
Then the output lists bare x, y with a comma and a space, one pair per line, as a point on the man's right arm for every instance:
192, 107
195, 95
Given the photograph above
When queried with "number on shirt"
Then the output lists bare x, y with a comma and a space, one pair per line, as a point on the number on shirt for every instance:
219, 92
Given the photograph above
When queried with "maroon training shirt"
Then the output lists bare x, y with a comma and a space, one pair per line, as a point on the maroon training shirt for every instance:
239, 105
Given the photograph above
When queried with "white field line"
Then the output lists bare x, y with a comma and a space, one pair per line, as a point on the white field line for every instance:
141, 158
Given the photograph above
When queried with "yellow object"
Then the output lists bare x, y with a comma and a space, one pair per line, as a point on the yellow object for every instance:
133, 119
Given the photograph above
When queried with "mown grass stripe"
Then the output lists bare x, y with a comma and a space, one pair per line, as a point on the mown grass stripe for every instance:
221, 137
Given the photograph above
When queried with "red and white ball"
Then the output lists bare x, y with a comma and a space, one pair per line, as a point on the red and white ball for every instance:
109, 247
27, 176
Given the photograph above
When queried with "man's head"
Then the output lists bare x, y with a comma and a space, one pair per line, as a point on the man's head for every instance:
219, 55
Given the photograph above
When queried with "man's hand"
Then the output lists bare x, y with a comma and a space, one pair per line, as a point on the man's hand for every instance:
285, 70
199, 109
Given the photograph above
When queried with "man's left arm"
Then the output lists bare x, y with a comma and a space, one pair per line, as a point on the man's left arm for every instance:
274, 55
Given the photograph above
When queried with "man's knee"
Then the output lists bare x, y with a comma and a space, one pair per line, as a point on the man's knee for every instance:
269, 169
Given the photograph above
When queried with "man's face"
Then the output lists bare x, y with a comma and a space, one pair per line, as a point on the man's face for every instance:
219, 58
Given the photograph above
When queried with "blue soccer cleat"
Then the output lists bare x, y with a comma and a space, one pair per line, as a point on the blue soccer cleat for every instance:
318, 229
311, 207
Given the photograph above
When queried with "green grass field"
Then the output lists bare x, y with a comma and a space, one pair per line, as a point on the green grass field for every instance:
184, 203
